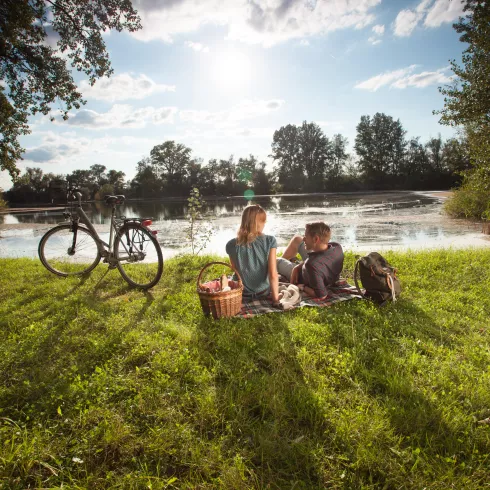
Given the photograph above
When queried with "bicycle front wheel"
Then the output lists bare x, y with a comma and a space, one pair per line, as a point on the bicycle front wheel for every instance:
66, 254
139, 256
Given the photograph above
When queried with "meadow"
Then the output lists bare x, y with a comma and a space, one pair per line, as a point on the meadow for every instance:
103, 386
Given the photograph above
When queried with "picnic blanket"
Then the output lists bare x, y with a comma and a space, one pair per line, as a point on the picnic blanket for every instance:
341, 291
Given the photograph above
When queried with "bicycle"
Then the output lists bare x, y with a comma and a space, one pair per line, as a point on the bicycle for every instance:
75, 248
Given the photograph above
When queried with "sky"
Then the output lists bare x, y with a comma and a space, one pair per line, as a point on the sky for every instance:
220, 76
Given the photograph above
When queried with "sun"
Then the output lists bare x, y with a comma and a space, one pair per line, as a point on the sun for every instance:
231, 70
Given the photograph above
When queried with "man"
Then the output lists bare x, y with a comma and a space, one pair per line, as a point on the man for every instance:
321, 266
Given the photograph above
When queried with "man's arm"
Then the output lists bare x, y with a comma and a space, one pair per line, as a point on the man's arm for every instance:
295, 273
316, 282
309, 291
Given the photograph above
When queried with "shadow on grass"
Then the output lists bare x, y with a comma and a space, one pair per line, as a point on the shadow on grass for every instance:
269, 411
385, 346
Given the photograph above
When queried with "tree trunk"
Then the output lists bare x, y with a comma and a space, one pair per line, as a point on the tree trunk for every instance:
486, 227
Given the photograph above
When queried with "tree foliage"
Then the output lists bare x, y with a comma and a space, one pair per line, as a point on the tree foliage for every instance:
467, 100
304, 156
380, 144
171, 171
467, 103
35, 74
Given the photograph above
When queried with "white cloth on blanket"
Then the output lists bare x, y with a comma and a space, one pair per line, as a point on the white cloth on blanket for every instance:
289, 296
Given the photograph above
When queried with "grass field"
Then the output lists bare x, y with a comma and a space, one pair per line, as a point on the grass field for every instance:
102, 386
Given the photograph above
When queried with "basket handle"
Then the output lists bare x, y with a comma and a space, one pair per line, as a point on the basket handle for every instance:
219, 263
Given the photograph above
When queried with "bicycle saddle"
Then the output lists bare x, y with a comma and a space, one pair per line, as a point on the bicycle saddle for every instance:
119, 199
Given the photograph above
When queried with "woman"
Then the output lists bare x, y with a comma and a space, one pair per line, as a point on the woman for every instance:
253, 255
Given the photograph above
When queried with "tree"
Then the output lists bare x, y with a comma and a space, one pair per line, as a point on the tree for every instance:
456, 156
380, 144
35, 75
285, 152
171, 161
116, 179
415, 165
98, 174
339, 157
467, 100
145, 182
303, 155
467, 103
315, 155
434, 153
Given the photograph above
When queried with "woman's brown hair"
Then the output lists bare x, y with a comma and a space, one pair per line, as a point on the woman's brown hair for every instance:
252, 215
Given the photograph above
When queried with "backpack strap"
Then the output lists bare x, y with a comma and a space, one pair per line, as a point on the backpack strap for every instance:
356, 278
391, 285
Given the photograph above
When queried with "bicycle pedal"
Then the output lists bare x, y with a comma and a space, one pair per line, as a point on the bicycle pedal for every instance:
112, 266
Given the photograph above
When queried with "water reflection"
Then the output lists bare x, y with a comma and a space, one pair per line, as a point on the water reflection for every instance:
385, 219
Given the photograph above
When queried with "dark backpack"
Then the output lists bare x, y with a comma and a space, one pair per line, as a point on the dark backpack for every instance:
378, 278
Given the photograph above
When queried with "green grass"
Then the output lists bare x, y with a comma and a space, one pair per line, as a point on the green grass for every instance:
103, 386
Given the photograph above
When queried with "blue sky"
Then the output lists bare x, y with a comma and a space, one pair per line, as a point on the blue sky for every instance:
221, 76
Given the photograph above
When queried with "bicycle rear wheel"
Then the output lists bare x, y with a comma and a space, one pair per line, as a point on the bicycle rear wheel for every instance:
139, 256
65, 254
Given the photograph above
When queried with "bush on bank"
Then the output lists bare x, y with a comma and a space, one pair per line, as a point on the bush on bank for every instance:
102, 386
469, 202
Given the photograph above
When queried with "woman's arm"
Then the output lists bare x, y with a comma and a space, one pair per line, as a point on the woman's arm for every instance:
232, 263
273, 275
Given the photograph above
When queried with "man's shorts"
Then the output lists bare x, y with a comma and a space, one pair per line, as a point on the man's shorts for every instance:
285, 267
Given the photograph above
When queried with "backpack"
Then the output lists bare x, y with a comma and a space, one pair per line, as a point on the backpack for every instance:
378, 278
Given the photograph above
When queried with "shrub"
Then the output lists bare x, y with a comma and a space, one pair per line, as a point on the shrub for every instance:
468, 202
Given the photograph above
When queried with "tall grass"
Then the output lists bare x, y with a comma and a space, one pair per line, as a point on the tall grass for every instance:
102, 386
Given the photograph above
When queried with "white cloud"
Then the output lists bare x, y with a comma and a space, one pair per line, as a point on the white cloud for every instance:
374, 40
405, 22
59, 148
378, 81
379, 29
197, 47
244, 110
55, 149
126, 116
120, 116
304, 42
443, 11
404, 78
424, 79
267, 22
435, 14
123, 87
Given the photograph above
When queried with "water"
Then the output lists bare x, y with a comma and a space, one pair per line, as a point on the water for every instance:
359, 221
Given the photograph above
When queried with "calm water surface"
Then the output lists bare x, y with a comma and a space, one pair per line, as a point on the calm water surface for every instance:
359, 221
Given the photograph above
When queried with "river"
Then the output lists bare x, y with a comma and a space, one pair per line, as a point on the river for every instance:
359, 221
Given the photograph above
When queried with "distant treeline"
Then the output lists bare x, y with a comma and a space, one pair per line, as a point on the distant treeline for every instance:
305, 160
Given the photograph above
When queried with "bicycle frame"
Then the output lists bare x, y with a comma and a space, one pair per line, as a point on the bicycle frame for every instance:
105, 249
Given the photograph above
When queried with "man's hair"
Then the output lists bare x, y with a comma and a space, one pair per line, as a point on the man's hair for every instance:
319, 229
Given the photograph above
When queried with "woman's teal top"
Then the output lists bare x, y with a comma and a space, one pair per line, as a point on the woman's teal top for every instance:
252, 263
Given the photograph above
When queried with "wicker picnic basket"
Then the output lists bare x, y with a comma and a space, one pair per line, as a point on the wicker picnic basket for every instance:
220, 304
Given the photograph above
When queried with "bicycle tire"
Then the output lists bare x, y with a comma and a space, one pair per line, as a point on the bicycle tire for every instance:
139, 256
56, 254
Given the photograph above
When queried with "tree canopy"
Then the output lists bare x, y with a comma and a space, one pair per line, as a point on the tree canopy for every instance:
467, 100
467, 104
39, 39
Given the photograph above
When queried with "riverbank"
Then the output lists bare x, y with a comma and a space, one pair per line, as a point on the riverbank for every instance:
105, 386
